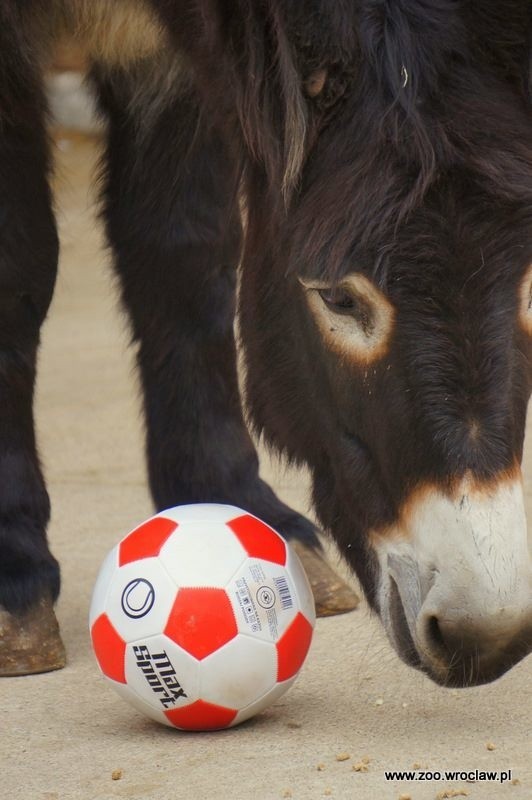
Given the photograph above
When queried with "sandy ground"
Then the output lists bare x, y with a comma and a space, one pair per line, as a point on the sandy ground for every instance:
63, 734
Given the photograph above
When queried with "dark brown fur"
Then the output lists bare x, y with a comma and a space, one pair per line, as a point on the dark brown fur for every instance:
412, 165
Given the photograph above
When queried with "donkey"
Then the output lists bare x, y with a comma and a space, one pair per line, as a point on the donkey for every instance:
369, 165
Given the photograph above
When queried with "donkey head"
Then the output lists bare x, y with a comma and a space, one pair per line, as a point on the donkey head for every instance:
386, 310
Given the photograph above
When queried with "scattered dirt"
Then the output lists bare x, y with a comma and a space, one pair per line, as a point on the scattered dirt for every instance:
343, 757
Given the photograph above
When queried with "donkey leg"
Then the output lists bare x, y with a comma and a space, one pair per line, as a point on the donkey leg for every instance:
172, 218
29, 575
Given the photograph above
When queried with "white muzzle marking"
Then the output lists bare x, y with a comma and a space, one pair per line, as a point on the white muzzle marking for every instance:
463, 559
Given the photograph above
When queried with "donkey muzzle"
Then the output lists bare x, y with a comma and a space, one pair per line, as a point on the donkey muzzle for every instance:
456, 582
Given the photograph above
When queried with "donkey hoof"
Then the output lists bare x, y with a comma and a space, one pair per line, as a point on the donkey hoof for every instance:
30, 642
331, 594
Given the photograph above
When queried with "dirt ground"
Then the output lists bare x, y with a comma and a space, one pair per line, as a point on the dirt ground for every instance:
63, 734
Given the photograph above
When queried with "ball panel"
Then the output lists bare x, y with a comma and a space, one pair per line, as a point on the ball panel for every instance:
101, 587
202, 554
238, 673
258, 539
292, 647
201, 716
110, 648
263, 598
140, 599
202, 512
161, 673
146, 540
130, 696
263, 702
302, 586
201, 621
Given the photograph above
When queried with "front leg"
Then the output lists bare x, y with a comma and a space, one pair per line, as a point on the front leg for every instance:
29, 574
172, 218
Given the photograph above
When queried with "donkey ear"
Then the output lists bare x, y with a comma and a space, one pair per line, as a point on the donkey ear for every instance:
314, 84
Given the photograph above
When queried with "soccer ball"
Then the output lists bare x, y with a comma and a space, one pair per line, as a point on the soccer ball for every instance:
202, 616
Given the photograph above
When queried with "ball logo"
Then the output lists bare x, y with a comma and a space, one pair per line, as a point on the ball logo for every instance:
138, 598
266, 597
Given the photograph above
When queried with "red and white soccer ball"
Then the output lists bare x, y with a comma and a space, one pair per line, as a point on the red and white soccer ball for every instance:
202, 616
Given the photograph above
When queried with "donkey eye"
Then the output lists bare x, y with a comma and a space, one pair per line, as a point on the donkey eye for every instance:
339, 299
354, 317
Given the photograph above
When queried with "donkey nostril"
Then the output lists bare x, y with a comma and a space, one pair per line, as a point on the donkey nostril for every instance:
463, 650
434, 633
453, 638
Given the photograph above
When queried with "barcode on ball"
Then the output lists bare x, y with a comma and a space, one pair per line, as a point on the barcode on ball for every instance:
284, 592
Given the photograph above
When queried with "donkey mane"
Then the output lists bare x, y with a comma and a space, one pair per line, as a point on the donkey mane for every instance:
410, 46
410, 86
269, 100
415, 113
243, 52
